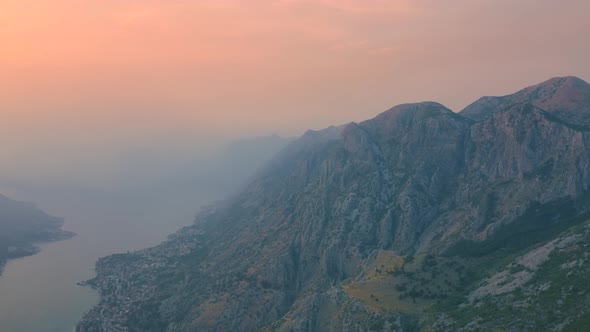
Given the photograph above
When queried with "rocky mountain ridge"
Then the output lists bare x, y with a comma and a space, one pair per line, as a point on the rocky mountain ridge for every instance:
380, 207
568, 98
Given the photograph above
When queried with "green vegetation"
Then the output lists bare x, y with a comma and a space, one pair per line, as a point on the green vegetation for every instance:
147, 318
539, 223
410, 283
424, 286
558, 290
579, 325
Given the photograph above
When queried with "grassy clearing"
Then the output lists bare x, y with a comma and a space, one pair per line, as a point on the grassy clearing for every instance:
408, 283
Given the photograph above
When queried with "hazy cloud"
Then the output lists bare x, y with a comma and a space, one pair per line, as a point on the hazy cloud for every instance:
97, 75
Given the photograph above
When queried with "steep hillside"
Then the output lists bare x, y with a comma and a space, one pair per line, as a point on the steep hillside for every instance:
409, 219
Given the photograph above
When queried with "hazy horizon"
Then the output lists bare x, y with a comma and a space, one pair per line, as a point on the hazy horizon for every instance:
87, 84
121, 118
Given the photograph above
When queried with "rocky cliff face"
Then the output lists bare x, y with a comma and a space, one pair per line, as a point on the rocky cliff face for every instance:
343, 212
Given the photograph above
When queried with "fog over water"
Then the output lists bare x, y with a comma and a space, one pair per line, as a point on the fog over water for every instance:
39, 293
132, 211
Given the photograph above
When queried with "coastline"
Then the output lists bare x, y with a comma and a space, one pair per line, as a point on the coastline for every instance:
30, 249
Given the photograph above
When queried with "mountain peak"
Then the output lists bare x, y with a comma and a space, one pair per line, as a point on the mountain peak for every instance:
565, 81
406, 114
329, 133
567, 97
556, 89
418, 108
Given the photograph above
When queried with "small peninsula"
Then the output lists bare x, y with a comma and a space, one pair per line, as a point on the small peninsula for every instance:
23, 226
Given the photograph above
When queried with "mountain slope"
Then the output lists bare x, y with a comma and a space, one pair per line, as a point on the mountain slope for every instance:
349, 228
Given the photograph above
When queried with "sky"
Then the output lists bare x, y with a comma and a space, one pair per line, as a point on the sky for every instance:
83, 81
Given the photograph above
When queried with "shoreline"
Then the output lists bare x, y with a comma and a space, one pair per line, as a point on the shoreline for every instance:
33, 248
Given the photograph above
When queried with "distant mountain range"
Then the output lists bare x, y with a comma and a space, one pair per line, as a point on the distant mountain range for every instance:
418, 219
22, 226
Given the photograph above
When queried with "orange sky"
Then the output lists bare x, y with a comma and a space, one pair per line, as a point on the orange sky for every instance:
90, 74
